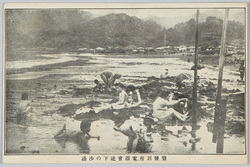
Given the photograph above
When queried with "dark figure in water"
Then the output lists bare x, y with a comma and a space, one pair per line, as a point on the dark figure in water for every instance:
242, 71
24, 110
77, 137
85, 129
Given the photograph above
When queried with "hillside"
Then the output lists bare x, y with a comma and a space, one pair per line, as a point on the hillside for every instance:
42, 28
118, 30
70, 29
210, 33
170, 21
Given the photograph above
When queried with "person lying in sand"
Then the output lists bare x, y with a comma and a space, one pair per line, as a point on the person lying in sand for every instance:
84, 127
162, 108
135, 129
109, 79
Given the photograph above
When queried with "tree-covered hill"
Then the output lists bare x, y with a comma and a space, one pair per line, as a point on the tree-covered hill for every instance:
210, 33
70, 29
119, 30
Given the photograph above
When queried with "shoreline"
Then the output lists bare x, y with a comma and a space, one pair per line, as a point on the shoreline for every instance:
211, 60
35, 83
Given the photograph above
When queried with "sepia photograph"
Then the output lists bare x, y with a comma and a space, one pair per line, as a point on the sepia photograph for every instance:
125, 82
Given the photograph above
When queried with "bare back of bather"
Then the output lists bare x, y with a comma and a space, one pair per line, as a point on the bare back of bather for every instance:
162, 108
109, 79
161, 111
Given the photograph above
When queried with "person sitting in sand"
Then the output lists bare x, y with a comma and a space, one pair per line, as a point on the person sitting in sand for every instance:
134, 98
123, 98
109, 79
164, 75
84, 127
162, 108
135, 129
23, 110
128, 97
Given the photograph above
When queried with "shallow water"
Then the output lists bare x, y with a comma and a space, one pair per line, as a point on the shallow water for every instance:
41, 138
39, 135
51, 59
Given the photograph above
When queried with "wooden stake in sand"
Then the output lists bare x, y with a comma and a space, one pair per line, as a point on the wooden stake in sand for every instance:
195, 71
219, 103
194, 109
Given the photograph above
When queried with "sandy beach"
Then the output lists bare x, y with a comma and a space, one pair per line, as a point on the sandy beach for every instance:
51, 89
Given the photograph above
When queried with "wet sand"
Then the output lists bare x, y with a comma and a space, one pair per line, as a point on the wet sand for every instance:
55, 103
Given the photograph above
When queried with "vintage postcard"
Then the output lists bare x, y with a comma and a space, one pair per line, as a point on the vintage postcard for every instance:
125, 83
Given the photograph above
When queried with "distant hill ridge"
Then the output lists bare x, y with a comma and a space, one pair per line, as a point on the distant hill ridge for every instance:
171, 21
71, 29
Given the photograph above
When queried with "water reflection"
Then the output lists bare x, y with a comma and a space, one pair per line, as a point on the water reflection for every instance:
74, 142
41, 140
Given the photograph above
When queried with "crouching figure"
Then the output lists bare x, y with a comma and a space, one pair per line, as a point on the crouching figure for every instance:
138, 138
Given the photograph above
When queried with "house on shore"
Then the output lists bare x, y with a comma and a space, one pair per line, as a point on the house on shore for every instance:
130, 48
82, 50
141, 50
210, 48
100, 50
163, 49
191, 49
182, 48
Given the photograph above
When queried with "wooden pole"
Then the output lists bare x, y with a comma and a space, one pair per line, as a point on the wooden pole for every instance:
221, 65
194, 121
221, 125
165, 37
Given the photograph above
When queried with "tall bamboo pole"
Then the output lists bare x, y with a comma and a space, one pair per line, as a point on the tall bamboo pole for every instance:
195, 71
221, 65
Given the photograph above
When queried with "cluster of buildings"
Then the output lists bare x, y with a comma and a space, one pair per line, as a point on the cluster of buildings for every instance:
131, 49
229, 49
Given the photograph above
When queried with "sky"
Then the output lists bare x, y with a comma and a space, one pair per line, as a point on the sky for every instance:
145, 13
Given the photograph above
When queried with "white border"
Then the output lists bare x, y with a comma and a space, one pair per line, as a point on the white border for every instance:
171, 159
